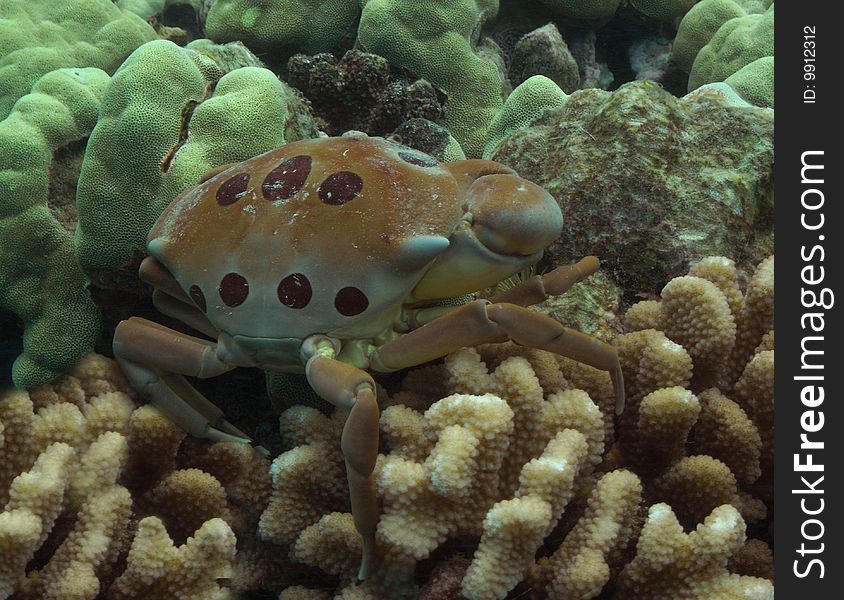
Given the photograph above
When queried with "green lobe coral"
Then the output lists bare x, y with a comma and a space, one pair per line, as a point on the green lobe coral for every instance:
38, 37
167, 117
526, 104
736, 44
732, 41
664, 10
39, 279
310, 25
583, 9
439, 43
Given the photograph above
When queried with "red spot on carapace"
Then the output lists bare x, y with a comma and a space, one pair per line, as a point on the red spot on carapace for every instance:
287, 178
198, 297
350, 301
232, 189
418, 159
233, 289
295, 291
340, 187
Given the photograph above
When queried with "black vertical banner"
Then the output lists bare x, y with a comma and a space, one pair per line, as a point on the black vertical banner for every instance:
809, 475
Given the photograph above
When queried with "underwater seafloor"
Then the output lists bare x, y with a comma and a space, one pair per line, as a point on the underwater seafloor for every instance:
504, 472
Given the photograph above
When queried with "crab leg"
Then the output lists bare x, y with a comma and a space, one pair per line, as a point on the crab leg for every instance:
555, 283
154, 359
347, 386
480, 322
169, 298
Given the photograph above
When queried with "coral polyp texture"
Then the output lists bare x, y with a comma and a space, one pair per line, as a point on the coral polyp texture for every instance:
94, 505
40, 282
39, 37
168, 115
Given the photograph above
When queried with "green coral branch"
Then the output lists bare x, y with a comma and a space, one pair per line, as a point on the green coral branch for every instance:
40, 280
169, 115
39, 37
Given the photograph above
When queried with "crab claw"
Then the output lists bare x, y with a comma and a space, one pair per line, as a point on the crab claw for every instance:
513, 216
507, 223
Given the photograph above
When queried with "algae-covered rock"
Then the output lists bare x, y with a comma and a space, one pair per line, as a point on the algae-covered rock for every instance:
429, 137
648, 182
359, 91
543, 51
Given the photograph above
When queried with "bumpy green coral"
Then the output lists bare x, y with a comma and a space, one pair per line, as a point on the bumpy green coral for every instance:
702, 22
584, 9
664, 10
736, 44
527, 103
39, 278
38, 37
310, 25
641, 183
755, 82
148, 8
162, 125
438, 42
699, 26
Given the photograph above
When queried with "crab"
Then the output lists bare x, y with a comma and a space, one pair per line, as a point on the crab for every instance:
334, 256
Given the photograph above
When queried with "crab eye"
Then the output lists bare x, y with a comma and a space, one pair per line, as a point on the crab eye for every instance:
350, 301
420, 160
198, 297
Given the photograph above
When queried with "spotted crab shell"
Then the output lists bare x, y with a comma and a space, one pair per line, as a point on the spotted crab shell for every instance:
327, 235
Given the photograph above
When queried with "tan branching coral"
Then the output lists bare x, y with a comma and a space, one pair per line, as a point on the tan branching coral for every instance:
725, 432
755, 392
514, 529
308, 481
498, 459
509, 461
99, 532
697, 316
706, 313
580, 567
756, 317
158, 569
35, 500
80, 464
729, 428
671, 564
